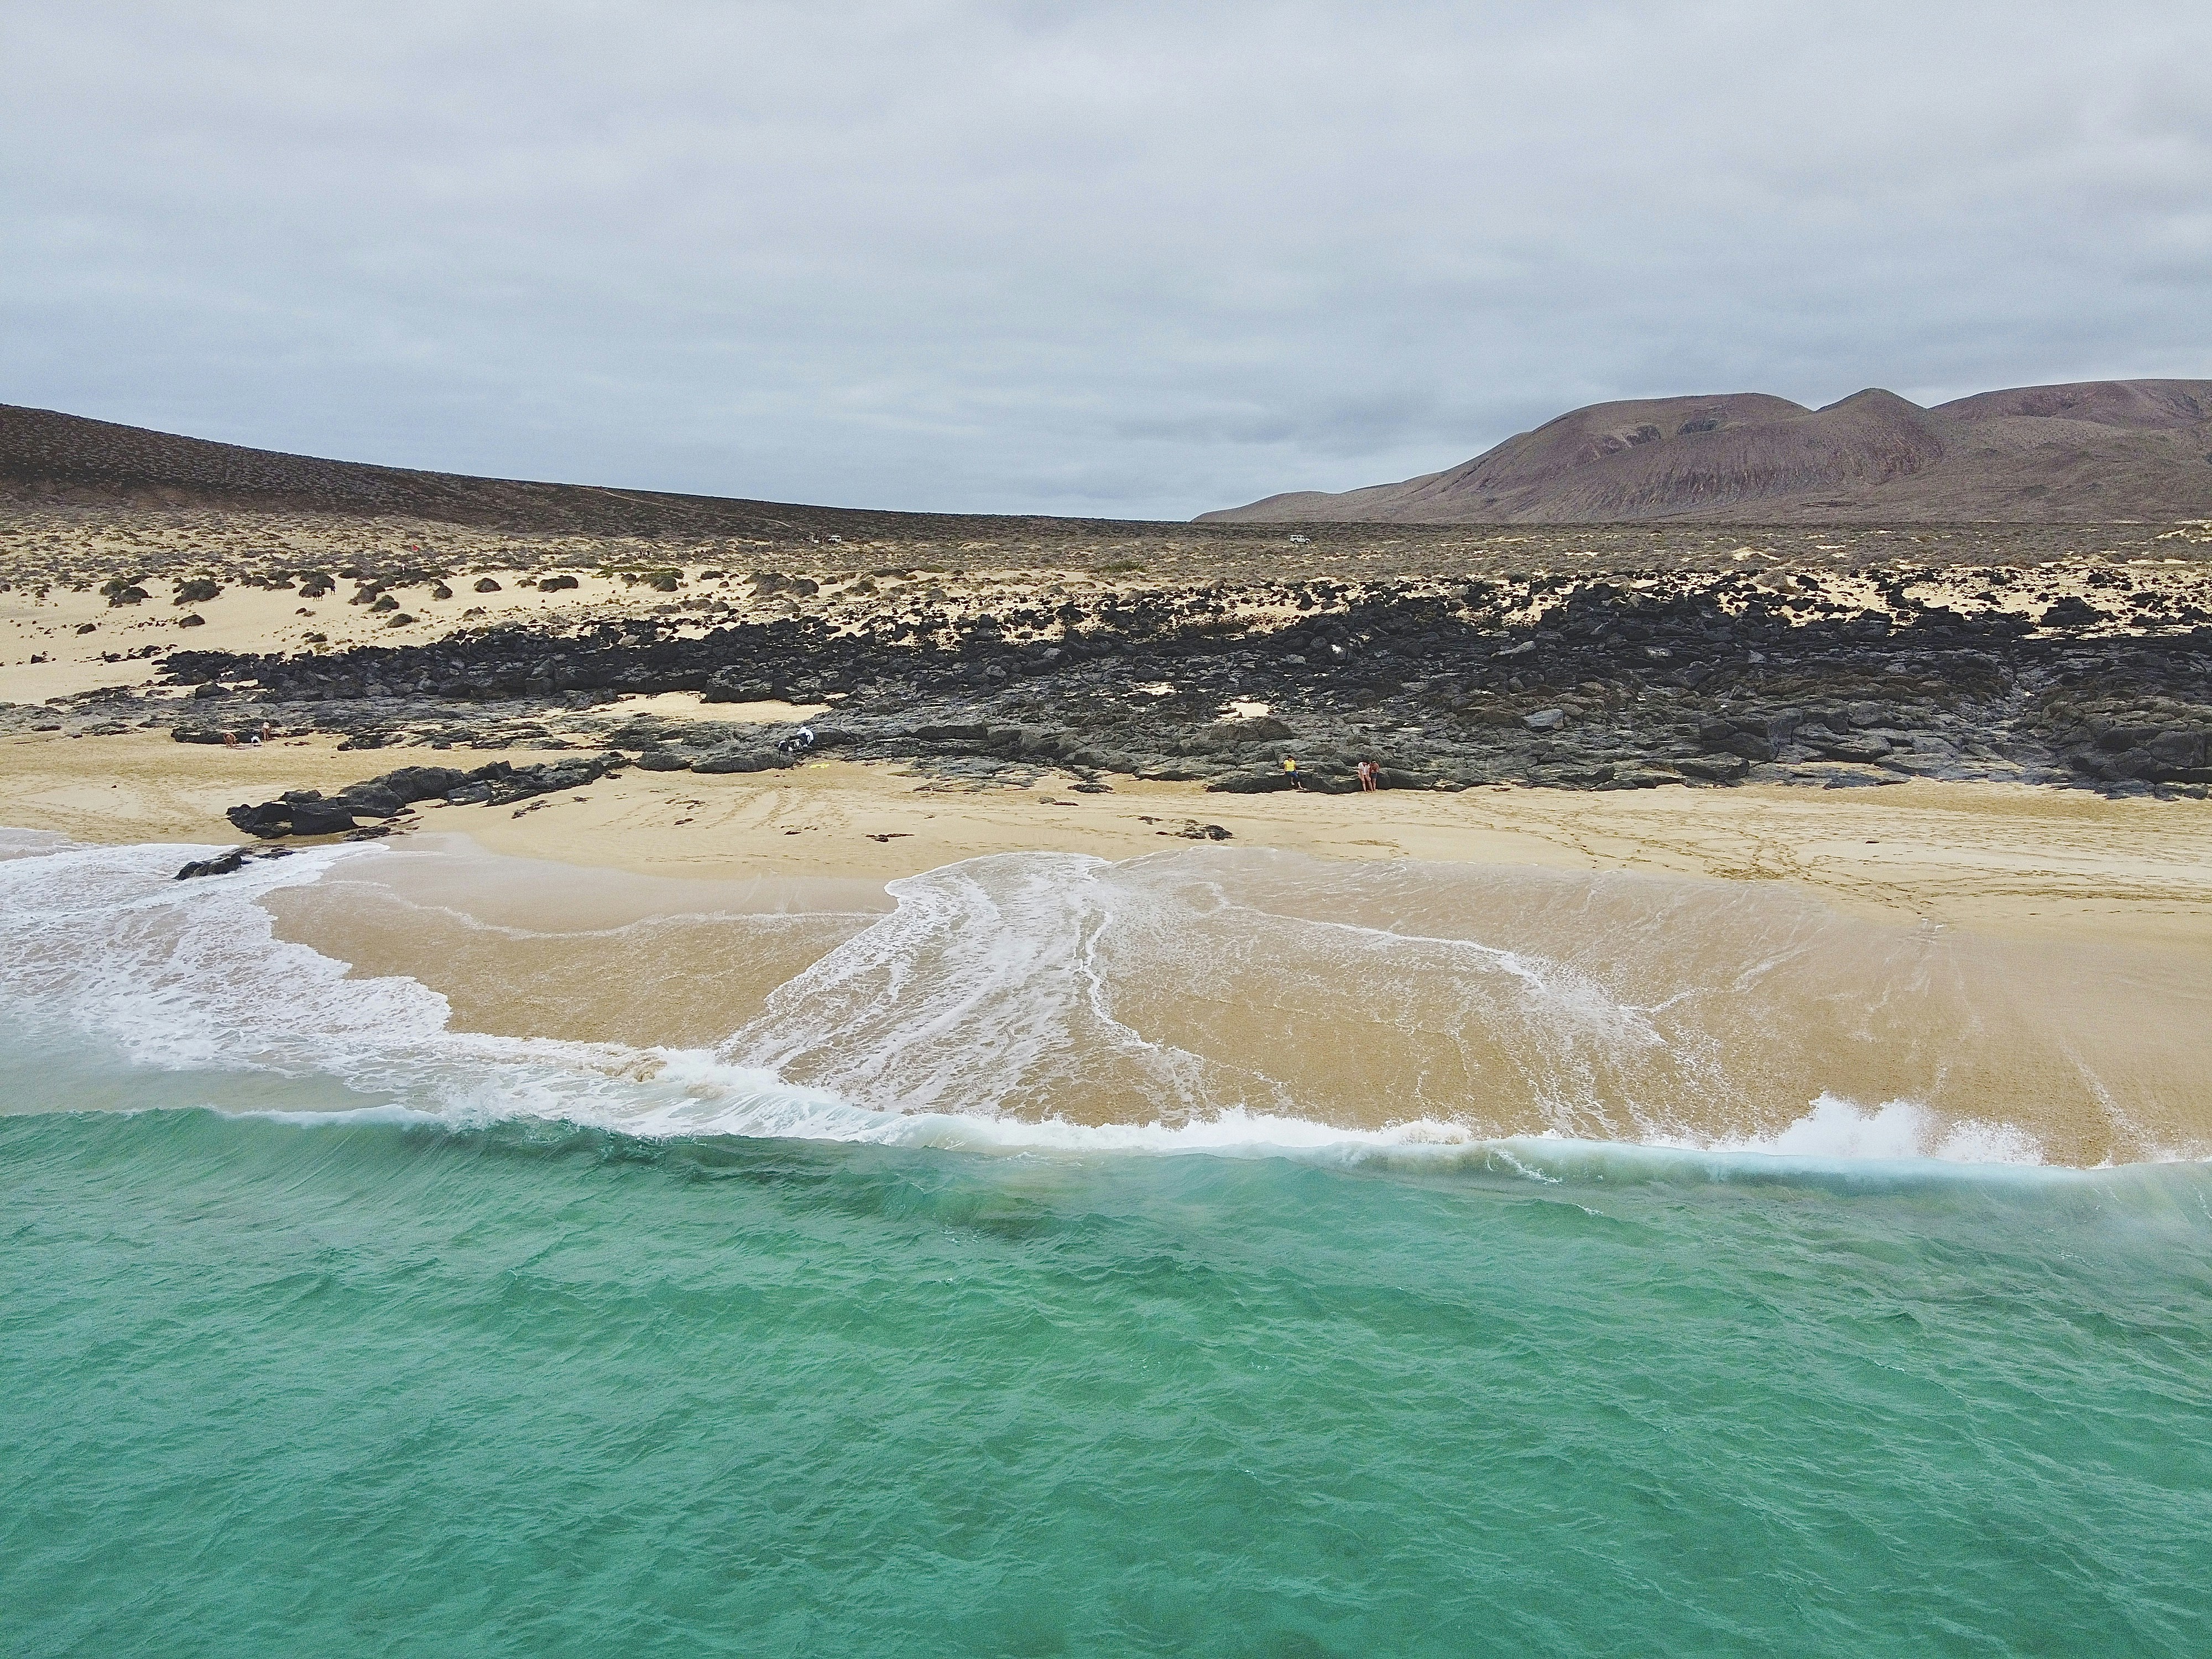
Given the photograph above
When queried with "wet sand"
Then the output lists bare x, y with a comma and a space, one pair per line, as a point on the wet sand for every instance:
1188, 983
2017, 961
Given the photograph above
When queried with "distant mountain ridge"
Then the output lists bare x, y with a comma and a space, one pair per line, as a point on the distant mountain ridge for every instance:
2096, 452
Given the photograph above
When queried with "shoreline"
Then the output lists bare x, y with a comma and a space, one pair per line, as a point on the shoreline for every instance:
1354, 986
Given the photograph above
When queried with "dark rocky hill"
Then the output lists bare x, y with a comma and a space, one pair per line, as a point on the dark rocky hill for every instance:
2095, 453
52, 459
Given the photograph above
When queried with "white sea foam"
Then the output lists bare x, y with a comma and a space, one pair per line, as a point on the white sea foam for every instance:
1017, 982
1896, 1129
986, 984
984, 990
404, 1116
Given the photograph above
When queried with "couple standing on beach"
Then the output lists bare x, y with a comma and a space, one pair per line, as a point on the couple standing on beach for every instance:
1370, 775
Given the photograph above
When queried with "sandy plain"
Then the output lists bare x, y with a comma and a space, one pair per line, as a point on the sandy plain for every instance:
59, 636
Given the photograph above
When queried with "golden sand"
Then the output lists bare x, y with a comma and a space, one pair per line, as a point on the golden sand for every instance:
2004, 859
2001, 953
1206, 978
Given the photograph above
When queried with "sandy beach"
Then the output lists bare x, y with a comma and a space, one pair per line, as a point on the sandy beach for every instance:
2006, 860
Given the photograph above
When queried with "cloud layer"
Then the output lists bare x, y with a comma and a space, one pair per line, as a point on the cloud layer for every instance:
1139, 260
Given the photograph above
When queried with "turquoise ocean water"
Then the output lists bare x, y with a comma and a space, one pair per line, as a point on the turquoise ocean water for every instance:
312, 1362
532, 1390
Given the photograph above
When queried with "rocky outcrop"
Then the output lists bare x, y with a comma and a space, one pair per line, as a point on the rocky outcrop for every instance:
1693, 679
301, 812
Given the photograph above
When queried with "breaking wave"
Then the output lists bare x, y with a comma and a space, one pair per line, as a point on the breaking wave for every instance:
1049, 1003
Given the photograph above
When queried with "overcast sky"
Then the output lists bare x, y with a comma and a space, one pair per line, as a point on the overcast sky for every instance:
1130, 259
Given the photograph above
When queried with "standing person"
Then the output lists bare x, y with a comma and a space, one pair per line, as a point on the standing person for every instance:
1290, 771
1366, 770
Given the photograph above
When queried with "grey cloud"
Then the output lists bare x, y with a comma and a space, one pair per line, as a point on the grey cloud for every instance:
1144, 259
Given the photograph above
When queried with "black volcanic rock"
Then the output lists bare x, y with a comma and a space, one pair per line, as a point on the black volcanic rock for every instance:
1694, 679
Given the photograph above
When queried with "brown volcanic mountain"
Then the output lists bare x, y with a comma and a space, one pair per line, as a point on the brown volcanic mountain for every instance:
2096, 452
52, 459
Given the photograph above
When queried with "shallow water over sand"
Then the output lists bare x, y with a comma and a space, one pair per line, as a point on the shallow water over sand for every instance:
1176, 988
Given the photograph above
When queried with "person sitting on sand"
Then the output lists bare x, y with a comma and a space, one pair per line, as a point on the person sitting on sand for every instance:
1368, 771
